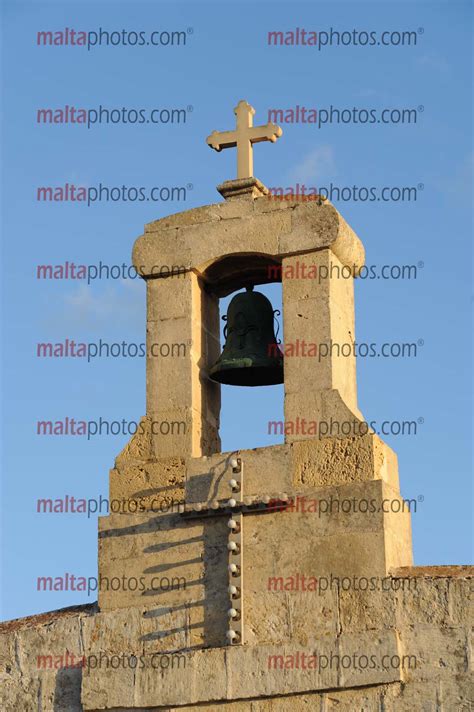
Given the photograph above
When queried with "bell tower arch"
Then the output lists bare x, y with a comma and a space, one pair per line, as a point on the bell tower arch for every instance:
246, 241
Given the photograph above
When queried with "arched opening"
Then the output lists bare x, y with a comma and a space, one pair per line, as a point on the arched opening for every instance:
250, 416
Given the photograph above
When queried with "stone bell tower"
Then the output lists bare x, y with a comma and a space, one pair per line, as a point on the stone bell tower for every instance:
270, 579
229, 537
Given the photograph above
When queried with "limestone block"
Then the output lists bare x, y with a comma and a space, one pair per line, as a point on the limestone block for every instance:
170, 297
302, 617
22, 696
299, 703
212, 676
168, 433
171, 382
134, 631
105, 687
362, 609
283, 669
325, 547
398, 534
333, 461
434, 653
179, 562
194, 216
8, 656
266, 471
182, 431
320, 414
369, 699
258, 234
270, 203
196, 238
172, 250
373, 657
316, 275
315, 226
303, 465
359, 700
154, 486
60, 691
266, 617
218, 211
324, 329
435, 696
422, 697
176, 430
437, 600
42, 658
461, 599
201, 678
44, 646
140, 446
442, 695
457, 692
342, 533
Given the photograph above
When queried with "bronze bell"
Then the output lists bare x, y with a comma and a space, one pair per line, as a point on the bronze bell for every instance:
251, 355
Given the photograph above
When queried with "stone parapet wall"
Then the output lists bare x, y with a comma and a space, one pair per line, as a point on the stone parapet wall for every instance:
423, 618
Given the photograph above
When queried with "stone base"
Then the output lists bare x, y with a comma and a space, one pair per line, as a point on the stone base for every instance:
242, 188
421, 621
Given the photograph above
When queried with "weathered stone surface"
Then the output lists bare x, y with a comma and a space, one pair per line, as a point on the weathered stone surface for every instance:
175, 562
197, 237
313, 414
299, 466
241, 673
439, 653
345, 624
266, 471
154, 486
41, 661
333, 461
318, 312
341, 531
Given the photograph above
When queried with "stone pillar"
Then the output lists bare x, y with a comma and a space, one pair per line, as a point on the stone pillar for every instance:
183, 405
320, 374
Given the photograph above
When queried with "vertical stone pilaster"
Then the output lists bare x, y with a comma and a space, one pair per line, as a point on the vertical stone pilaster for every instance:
182, 339
318, 307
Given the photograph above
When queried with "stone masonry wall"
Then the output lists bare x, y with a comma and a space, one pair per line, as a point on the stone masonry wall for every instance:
426, 609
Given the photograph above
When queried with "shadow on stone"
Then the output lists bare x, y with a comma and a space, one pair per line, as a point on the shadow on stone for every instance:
67, 691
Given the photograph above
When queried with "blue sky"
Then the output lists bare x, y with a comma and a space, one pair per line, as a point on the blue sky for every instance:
226, 57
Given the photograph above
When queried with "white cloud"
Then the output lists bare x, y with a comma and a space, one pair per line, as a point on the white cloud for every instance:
317, 165
92, 308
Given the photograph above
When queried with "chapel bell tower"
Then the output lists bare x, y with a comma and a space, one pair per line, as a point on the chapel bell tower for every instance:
244, 517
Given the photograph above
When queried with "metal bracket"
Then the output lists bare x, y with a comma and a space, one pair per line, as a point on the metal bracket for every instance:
235, 632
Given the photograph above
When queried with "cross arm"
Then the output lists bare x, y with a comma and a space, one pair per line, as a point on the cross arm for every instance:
268, 132
222, 139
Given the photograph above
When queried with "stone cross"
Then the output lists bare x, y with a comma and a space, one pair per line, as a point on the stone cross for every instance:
243, 137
